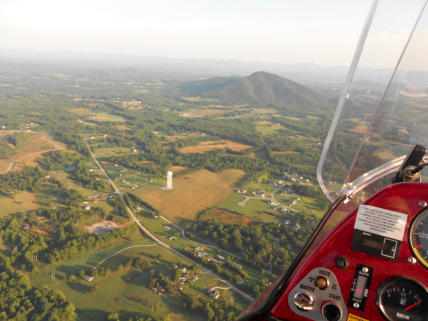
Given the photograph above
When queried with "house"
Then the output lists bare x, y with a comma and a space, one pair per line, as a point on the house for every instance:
220, 257
166, 227
88, 278
214, 294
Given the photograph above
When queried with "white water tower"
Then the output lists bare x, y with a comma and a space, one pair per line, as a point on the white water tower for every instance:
169, 180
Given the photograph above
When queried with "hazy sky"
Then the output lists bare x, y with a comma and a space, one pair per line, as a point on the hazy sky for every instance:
320, 31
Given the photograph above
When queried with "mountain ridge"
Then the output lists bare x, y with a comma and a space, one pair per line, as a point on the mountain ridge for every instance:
260, 89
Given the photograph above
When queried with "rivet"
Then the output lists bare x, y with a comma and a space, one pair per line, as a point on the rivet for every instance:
411, 260
423, 204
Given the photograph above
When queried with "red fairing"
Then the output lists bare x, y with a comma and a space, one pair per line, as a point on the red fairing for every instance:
403, 198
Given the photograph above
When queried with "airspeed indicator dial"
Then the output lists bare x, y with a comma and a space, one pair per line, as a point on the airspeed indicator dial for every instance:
418, 238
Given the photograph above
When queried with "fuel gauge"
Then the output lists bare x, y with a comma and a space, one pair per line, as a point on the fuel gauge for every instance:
400, 298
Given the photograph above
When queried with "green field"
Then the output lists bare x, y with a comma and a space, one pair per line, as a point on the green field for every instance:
255, 208
107, 117
111, 151
115, 291
19, 202
310, 205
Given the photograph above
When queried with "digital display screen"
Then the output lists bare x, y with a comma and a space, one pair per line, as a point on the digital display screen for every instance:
371, 243
360, 287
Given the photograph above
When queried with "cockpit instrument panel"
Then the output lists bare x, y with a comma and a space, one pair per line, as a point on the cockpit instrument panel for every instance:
384, 243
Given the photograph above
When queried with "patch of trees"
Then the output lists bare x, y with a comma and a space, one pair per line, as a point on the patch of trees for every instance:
119, 207
23, 245
72, 139
19, 300
5, 148
213, 310
88, 179
19, 234
308, 190
58, 160
26, 179
162, 283
265, 246
134, 202
78, 246
228, 270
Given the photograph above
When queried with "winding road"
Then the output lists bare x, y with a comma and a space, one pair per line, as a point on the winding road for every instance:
158, 241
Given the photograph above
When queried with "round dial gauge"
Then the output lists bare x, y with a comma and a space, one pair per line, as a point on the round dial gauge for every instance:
418, 237
400, 298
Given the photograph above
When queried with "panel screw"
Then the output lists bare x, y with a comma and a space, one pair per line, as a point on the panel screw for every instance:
356, 305
423, 204
365, 269
411, 260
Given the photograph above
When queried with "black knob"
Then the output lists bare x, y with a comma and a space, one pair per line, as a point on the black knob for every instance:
342, 262
331, 312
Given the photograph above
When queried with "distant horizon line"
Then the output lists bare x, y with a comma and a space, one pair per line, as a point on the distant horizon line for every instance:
134, 55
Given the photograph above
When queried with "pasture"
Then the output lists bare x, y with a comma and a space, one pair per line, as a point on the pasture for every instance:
111, 151
310, 205
254, 208
192, 193
211, 145
267, 128
107, 117
228, 217
18, 202
203, 112
82, 111
29, 150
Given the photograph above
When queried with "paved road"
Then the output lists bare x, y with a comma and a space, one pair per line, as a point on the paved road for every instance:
154, 238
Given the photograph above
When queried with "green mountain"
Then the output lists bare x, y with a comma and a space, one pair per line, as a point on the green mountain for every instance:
261, 89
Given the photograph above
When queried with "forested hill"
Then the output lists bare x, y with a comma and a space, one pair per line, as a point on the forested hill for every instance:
261, 89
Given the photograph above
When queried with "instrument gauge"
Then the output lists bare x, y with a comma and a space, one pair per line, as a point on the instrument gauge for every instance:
418, 237
400, 298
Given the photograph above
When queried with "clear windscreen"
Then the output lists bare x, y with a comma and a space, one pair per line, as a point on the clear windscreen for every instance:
381, 119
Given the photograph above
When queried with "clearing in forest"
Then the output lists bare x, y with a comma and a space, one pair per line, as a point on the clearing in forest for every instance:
82, 111
107, 117
28, 150
204, 112
192, 193
18, 202
228, 217
208, 146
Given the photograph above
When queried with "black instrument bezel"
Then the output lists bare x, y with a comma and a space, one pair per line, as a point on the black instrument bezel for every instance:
387, 284
409, 236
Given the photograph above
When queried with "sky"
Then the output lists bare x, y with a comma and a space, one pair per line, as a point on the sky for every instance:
318, 31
